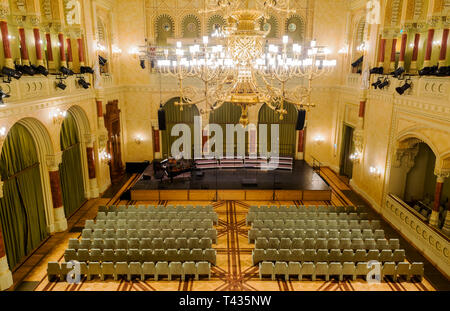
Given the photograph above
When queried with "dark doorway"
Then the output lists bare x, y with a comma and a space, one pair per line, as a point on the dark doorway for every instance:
346, 166
112, 123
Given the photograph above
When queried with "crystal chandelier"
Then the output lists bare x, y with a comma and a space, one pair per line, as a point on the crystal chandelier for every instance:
237, 65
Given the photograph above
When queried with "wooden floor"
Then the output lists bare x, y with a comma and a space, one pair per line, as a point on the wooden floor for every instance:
234, 270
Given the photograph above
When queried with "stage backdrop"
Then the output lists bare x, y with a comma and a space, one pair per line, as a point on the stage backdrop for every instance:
286, 126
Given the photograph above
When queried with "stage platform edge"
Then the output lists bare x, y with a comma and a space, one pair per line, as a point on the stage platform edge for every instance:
230, 194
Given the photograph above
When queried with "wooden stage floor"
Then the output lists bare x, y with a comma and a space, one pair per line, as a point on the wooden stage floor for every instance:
300, 184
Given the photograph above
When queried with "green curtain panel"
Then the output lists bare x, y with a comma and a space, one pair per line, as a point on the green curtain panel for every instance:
287, 131
175, 116
22, 210
70, 170
228, 113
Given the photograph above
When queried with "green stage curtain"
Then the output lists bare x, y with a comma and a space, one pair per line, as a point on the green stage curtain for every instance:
175, 116
228, 113
70, 169
22, 210
287, 131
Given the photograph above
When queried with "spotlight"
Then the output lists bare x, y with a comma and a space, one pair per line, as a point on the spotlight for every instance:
66, 71
40, 70
358, 61
377, 83
142, 63
11, 73
61, 85
2, 96
83, 83
25, 69
426, 71
384, 84
377, 70
443, 71
86, 69
398, 72
403, 88
102, 61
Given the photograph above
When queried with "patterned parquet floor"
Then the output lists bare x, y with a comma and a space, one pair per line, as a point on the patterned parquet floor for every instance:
233, 272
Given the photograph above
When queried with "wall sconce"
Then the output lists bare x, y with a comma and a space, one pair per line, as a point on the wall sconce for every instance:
2, 133
139, 139
355, 157
319, 139
375, 171
133, 51
100, 48
437, 43
105, 157
116, 50
58, 116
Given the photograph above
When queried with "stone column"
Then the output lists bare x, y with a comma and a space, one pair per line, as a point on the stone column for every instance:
415, 55
401, 62
93, 185
429, 49
434, 219
60, 221
443, 52
6, 280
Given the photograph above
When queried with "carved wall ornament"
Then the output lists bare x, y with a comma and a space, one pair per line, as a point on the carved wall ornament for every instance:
4, 10
53, 161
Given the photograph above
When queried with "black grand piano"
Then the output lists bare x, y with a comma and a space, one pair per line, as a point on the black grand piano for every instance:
172, 168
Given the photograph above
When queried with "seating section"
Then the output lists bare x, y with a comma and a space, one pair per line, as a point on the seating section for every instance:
320, 240
158, 270
147, 235
336, 269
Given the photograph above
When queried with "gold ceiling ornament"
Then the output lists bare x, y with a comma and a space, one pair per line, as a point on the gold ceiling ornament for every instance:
240, 67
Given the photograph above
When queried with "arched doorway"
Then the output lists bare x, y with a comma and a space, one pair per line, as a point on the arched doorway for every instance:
22, 208
287, 127
228, 113
174, 116
71, 170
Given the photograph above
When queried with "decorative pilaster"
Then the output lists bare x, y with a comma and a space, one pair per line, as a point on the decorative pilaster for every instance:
6, 280
93, 185
443, 52
60, 221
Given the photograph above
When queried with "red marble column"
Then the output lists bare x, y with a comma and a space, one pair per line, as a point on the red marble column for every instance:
81, 51
69, 52
99, 109
443, 53
2, 245
6, 45
434, 218
91, 162
48, 38
393, 50
301, 135
38, 45
23, 47
362, 109
55, 186
429, 49
403, 51
62, 52
381, 53
415, 54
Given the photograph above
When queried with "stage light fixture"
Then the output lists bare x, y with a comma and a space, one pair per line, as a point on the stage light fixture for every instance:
142, 63
377, 70
83, 83
25, 69
384, 84
61, 85
398, 72
40, 70
102, 61
377, 83
11, 73
3, 95
358, 61
86, 69
66, 71
427, 71
402, 89
443, 71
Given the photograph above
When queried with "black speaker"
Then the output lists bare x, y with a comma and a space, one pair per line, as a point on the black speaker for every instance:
301, 120
162, 119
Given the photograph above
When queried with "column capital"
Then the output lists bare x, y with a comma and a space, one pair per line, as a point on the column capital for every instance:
34, 20
442, 174
89, 139
53, 161
4, 10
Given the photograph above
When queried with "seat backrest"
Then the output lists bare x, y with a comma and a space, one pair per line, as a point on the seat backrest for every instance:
189, 267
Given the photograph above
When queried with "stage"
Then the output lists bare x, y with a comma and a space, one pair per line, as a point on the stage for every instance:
302, 184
